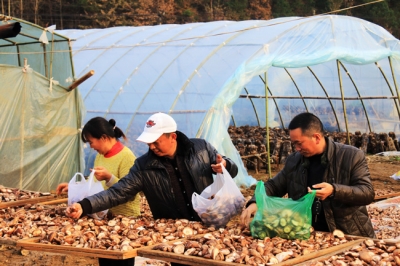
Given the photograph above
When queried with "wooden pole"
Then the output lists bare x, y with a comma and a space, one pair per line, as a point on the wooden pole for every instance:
266, 123
77, 82
343, 102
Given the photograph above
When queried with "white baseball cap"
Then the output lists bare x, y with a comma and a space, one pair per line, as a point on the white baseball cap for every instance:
155, 126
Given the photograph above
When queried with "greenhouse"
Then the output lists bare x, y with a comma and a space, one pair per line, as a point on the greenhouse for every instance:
40, 112
212, 75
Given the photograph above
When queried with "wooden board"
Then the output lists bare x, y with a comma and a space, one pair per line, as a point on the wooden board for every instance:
33, 244
148, 252
8, 242
389, 241
55, 202
339, 251
387, 196
27, 201
389, 200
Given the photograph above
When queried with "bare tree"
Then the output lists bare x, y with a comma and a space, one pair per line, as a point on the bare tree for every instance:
61, 16
36, 11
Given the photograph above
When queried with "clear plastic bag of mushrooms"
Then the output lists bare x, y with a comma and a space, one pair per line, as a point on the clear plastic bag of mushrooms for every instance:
219, 202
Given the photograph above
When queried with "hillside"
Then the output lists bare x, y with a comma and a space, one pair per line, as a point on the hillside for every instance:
83, 14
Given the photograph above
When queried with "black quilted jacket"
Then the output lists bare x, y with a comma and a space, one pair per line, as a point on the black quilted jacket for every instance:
150, 176
348, 172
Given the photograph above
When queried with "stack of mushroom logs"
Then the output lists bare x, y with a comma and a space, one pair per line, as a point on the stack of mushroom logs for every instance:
250, 141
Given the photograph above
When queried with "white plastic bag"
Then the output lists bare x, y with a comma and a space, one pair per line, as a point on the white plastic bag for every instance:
219, 202
78, 190
396, 176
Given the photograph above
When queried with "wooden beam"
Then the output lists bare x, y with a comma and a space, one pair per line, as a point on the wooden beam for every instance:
77, 82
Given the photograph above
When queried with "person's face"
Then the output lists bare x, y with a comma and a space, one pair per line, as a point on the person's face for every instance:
97, 144
164, 145
306, 145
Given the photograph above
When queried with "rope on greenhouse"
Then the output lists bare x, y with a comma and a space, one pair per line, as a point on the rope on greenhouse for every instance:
348, 8
248, 96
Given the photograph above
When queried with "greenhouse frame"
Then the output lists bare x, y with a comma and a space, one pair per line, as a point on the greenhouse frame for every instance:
208, 76
212, 75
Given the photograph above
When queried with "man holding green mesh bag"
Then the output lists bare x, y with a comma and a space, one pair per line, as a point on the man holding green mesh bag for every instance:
337, 174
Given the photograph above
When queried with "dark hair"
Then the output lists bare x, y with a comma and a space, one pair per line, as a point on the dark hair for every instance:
99, 126
308, 123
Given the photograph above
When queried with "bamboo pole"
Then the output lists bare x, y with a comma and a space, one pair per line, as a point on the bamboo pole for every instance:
266, 123
253, 155
77, 82
297, 88
51, 56
327, 96
343, 102
276, 104
388, 83
394, 80
254, 107
359, 95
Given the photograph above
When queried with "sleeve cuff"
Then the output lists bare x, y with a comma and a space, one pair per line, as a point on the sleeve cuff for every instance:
112, 181
86, 207
333, 192
228, 165
252, 200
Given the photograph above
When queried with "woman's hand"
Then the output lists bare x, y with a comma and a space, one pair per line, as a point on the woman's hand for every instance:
101, 173
61, 188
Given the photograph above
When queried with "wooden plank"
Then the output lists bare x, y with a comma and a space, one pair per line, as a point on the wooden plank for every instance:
26, 201
387, 196
388, 200
390, 241
33, 244
55, 202
8, 242
339, 251
148, 252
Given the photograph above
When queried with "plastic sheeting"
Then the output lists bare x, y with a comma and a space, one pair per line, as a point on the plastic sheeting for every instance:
40, 142
203, 74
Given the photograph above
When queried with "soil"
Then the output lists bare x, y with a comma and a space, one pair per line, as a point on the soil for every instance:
380, 167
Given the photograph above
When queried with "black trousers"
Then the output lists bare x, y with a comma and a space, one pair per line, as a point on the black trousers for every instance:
111, 262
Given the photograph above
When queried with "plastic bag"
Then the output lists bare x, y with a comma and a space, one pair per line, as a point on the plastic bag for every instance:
282, 217
219, 202
78, 190
396, 176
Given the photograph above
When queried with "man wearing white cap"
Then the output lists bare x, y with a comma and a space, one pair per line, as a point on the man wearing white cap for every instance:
168, 174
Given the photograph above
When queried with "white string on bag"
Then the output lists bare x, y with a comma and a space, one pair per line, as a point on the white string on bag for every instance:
220, 201
78, 190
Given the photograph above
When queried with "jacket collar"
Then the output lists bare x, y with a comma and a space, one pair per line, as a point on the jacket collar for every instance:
327, 154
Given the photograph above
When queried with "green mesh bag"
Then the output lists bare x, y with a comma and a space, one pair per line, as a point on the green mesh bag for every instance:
285, 218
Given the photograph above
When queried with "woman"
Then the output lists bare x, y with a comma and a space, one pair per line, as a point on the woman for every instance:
112, 162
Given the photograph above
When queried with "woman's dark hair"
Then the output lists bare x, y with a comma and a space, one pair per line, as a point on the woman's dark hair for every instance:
99, 126
308, 123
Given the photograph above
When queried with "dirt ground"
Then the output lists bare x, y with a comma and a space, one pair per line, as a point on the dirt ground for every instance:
381, 168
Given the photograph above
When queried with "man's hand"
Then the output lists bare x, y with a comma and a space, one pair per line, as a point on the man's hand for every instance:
324, 190
247, 213
101, 173
63, 187
74, 211
217, 167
